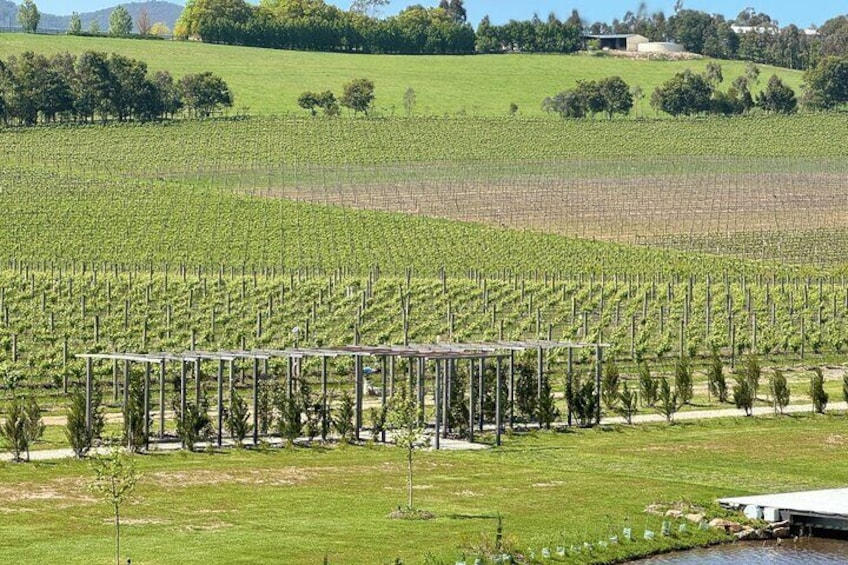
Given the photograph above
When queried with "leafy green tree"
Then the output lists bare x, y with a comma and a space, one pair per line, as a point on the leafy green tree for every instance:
81, 437
409, 101
29, 16
120, 21
404, 417
743, 394
290, 412
368, 7
567, 104
713, 73
648, 386
204, 93
343, 420
629, 403
752, 372
33, 423
238, 419
611, 385
94, 27
526, 389
616, 95
308, 101
548, 411
358, 95
582, 400
168, 93
827, 83
75, 25
327, 101
683, 384
779, 391
194, 426
686, 93
115, 479
715, 377
667, 400
817, 392
777, 97
134, 415
213, 20
13, 429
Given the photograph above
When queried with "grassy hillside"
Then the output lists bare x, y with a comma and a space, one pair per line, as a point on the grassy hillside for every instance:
269, 81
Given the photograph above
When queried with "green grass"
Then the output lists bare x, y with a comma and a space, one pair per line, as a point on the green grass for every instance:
269, 81
300, 504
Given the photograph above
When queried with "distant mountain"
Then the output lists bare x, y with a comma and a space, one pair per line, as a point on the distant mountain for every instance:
165, 12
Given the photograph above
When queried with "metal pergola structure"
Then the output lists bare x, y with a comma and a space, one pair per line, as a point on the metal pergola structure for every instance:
445, 357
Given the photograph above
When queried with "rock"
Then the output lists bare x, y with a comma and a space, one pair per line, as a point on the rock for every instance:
781, 533
750, 534
674, 513
695, 518
783, 524
727, 525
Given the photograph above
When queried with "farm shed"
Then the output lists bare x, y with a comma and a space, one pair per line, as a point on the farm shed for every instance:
660, 47
617, 41
441, 359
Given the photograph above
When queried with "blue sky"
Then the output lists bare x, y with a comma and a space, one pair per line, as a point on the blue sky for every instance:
785, 11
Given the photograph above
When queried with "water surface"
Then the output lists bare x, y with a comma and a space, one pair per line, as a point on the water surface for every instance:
810, 551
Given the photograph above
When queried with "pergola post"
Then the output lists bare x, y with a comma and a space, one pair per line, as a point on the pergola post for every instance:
357, 368
255, 401
325, 422
220, 428
599, 359
197, 384
569, 375
438, 398
183, 384
470, 400
126, 391
481, 392
498, 418
88, 385
421, 387
161, 399
540, 375
511, 389
230, 369
114, 380
147, 405
448, 367
383, 400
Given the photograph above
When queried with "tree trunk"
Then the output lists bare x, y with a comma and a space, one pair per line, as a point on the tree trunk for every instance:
409, 475
117, 535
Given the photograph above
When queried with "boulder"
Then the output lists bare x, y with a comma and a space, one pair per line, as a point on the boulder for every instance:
674, 513
727, 525
695, 518
782, 532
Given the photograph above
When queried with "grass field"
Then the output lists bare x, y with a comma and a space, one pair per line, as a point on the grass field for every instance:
269, 81
299, 505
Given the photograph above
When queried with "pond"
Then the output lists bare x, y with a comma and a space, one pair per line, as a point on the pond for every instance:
806, 551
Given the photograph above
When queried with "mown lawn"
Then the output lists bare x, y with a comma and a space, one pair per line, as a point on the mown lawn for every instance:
298, 505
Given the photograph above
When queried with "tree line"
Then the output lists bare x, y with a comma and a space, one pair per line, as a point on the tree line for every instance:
95, 86
689, 93
315, 25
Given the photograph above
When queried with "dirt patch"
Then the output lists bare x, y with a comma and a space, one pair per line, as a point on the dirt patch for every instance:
287, 476
60, 493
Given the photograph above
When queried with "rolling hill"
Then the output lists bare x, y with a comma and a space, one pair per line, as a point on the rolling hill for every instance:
165, 12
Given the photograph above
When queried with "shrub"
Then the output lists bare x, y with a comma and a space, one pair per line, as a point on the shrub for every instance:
343, 420
628, 403
610, 386
752, 372
683, 386
647, 385
779, 391
12, 431
193, 426
667, 400
548, 412
238, 418
583, 401
743, 394
817, 393
134, 413
715, 378
79, 436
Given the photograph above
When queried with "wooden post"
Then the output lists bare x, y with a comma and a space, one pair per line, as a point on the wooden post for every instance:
357, 365
540, 372
88, 389
598, 370
569, 375
438, 401
421, 389
255, 401
147, 405
325, 422
115, 380
470, 400
161, 399
384, 374
183, 392
511, 389
220, 428
197, 384
498, 418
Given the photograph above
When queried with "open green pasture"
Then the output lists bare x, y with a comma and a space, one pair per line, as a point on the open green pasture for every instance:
299, 505
267, 81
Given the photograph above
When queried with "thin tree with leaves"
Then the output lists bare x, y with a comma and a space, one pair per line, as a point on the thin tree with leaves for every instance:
405, 419
115, 479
